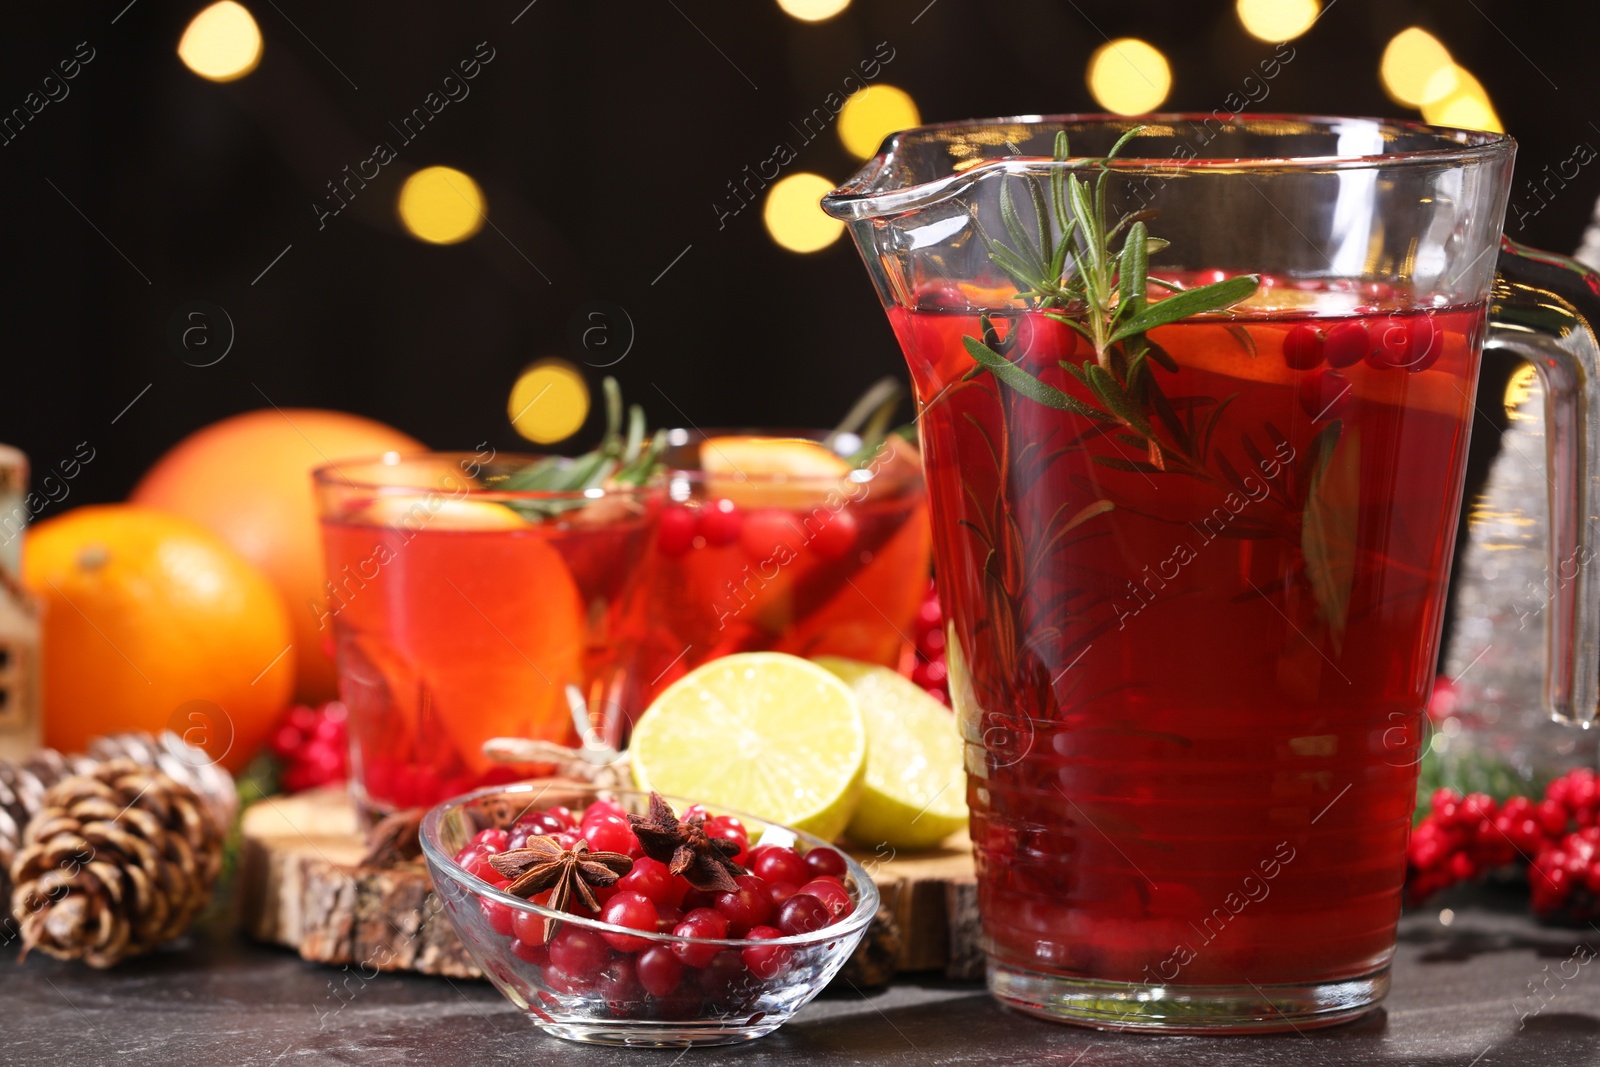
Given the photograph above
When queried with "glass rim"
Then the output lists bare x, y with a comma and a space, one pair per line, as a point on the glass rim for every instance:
866, 889
680, 436
1454, 145
331, 475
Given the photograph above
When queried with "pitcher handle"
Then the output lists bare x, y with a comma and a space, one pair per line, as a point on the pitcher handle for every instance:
1545, 309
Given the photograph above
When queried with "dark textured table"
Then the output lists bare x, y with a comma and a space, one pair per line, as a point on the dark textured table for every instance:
1460, 995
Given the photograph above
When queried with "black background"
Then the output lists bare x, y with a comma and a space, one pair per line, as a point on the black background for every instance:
603, 132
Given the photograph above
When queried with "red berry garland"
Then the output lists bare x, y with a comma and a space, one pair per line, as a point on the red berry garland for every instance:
1463, 838
313, 745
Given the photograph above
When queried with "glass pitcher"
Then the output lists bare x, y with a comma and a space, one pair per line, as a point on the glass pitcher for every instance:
1194, 398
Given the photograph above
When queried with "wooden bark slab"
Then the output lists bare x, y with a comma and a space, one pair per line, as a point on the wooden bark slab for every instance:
300, 886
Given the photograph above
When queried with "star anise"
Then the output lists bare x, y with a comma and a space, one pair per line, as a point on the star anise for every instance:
395, 840
704, 861
568, 872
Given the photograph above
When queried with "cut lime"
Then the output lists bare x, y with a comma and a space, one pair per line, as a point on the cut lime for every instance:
764, 732
916, 786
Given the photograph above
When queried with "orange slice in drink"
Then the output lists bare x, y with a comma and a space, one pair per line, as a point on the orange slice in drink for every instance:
774, 472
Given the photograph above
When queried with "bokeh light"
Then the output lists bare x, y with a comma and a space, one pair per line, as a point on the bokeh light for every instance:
441, 205
1277, 20
549, 401
1129, 76
793, 213
1466, 104
1416, 68
873, 114
221, 43
813, 10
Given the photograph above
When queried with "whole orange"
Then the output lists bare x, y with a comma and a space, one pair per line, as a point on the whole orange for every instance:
151, 621
248, 478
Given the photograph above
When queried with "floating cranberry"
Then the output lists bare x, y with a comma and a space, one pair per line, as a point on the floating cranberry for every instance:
831, 892
1302, 347
578, 951
1406, 342
720, 522
659, 970
1042, 341
777, 864
675, 532
1346, 344
836, 535
828, 861
1325, 394
631, 910
766, 961
935, 296
770, 534
745, 907
803, 914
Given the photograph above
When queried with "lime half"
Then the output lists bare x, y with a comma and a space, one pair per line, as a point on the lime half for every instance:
916, 786
766, 732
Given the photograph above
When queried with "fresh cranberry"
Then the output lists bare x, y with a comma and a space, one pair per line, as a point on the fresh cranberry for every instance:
726, 981
781, 891
529, 927
501, 917
610, 833
701, 923
680, 1005
675, 531
777, 864
729, 828
766, 961
802, 914
826, 861
578, 951
540, 824
531, 952
619, 987
659, 970
567, 838
566, 984
476, 863
495, 839
598, 808
1302, 347
770, 534
634, 911
651, 880
1325, 394
836, 534
1346, 344
720, 522
831, 892
668, 916
747, 906
697, 898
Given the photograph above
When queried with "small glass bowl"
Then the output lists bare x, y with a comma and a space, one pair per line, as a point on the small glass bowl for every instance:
721, 1003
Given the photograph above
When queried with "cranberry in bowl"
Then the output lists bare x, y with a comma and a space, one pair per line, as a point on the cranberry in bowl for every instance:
622, 917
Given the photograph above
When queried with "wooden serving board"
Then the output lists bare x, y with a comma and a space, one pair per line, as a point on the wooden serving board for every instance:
300, 885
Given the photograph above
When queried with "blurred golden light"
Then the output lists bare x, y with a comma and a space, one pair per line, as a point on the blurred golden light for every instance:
1129, 76
813, 10
1278, 20
794, 216
1465, 104
873, 114
1416, 69
1519, 390
549, 402
441, 205
221, 43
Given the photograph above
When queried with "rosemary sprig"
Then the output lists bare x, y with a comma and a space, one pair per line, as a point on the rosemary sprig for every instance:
1097, 286
622, 459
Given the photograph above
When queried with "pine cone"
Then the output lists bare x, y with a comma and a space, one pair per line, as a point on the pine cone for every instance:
113, 864
22, 789
178, 760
